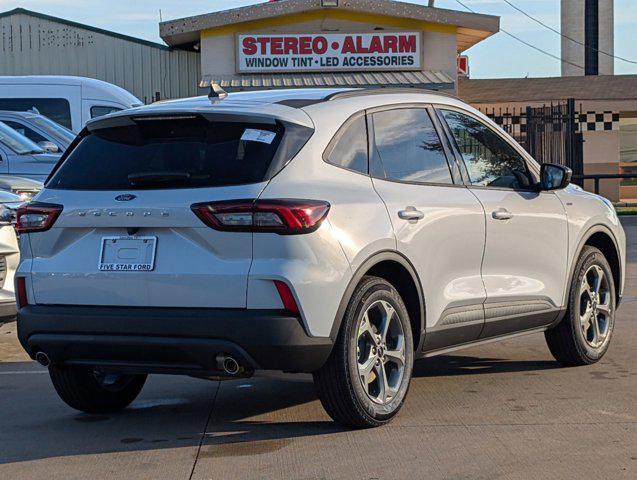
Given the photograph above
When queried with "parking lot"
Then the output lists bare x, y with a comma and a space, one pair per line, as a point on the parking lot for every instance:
504, 410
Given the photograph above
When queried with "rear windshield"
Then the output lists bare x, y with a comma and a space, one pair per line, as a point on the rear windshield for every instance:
183, 153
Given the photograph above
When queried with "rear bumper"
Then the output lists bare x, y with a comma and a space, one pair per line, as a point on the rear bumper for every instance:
170, 340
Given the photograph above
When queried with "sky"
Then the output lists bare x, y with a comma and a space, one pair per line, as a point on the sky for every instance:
497, 57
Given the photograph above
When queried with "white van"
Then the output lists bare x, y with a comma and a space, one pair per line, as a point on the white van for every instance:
70, 101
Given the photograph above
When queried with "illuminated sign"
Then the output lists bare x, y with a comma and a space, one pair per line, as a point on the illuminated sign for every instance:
330, 52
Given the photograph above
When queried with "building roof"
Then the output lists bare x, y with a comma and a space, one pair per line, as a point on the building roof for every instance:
472, 27
42, 16
603, 87
427, 80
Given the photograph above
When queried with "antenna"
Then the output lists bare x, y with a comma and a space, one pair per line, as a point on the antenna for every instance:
216, 92
160, 19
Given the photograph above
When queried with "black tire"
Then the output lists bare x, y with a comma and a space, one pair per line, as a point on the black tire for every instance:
567, 341
338, 383
83, 389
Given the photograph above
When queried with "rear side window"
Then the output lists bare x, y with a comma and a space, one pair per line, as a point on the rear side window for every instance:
407, 147
350, 147
57, 109
183, 153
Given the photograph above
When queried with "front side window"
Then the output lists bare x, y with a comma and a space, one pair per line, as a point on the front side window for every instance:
26, 131
100, 111
407, 147
490, 160
57, 109
350, 149
16, 142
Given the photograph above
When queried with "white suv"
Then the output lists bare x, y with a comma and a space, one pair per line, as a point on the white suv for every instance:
344, 233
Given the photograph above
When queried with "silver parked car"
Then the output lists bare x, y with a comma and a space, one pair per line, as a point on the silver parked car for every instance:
49, 135
9, 253
343, 233
23, 157
25, 188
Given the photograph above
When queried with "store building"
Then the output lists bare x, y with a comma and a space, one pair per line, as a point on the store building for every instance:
604, 118
309, 43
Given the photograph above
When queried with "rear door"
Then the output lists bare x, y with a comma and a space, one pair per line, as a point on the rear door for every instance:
525, 259
127, 235
439, 224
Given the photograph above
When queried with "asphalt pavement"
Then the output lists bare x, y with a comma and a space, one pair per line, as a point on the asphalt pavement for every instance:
501, 411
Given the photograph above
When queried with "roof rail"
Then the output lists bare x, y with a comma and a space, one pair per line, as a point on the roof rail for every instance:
359, 92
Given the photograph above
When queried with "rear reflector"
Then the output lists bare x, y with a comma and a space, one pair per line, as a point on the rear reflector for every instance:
21, 292
285, 217
36, 217
286, 297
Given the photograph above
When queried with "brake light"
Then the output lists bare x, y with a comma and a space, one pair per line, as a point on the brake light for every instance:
285, 217
21, 292
286, 297
36, 217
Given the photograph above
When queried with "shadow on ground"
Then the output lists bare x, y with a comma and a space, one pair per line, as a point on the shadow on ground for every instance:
241, 417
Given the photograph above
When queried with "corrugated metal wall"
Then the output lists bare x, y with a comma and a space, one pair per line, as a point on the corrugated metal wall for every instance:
35, 46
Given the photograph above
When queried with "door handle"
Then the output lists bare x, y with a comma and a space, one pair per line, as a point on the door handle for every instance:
410, 213
502, 214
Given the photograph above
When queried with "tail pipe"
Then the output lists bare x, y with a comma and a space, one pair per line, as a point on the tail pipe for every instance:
43, 359
228, 365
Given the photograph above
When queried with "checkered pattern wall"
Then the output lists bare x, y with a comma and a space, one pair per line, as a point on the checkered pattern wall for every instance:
515, 124
597, 122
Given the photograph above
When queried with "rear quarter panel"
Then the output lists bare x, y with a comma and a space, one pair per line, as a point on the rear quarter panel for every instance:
320, 266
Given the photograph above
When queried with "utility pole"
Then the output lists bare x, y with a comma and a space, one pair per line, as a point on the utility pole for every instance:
431, 3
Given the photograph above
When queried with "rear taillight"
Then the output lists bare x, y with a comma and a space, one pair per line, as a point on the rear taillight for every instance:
21, 292
285, 217
36, 217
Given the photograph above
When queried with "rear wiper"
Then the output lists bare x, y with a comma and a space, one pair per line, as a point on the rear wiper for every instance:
144, 178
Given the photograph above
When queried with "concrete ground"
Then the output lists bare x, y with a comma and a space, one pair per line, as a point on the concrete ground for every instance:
504, 410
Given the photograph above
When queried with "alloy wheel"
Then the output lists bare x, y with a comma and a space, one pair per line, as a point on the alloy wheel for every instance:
595, 306
380, 352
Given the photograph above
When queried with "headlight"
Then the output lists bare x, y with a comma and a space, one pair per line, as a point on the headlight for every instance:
25, 195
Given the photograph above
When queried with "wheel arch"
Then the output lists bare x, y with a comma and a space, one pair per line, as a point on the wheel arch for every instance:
397, 270
602, 238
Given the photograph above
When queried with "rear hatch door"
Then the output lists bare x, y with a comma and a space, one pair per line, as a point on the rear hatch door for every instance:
127, 235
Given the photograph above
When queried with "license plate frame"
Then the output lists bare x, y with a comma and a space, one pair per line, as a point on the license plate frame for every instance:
145, 264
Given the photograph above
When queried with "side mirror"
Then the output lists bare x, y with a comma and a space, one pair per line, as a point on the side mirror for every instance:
49, 146
554, 176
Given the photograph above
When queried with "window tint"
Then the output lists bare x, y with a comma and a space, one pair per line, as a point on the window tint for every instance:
350, 150
187, 153
98, 111
26, 131
57, 109
490, 160
407, 147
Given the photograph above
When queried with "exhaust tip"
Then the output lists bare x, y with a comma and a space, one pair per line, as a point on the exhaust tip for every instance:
228, 364
43, 359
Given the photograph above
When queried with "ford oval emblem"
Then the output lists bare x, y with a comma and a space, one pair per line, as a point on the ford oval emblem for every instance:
127, 197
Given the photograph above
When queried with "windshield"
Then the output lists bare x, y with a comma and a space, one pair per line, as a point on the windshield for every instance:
55, 128
16, 142
184, 153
